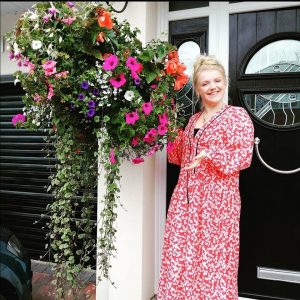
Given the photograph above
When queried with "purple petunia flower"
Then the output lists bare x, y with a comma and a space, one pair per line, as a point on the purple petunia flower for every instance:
91, 112
72, 106
70, 4
91, 104
95, 92
137, 81
81, 96
52, 11
85, 85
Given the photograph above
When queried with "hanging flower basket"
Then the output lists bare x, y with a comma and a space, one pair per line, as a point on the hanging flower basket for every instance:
90, 79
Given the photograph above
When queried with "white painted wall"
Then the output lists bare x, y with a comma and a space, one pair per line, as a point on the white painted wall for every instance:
7, 24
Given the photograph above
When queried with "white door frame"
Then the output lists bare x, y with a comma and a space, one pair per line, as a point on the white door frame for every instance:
218, 44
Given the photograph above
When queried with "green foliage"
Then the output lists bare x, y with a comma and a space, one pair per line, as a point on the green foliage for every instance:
104, 97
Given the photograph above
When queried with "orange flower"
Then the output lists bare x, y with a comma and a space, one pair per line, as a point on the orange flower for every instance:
100, 37
180, 69
171, 66
104, 20
173, 54
180, 82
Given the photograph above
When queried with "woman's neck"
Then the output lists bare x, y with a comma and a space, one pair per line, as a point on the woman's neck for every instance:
212, 109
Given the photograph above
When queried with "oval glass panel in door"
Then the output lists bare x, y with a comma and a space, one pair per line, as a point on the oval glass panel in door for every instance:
282, 56
188, 53
276, 109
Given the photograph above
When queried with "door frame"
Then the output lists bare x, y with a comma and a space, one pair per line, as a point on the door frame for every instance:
218, 44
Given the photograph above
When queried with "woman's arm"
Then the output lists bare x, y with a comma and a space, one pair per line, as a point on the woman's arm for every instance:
236, 154
174, 149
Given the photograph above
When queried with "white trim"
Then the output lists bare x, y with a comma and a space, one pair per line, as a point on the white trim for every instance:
189, 13
249, 6
218, 13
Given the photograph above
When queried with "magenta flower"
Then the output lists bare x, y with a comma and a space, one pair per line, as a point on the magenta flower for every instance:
49, 67
162, 129
132, 64
150, 136
50, 92
70, 4
131, 117
147, 108
25, 62
69, 20
18, 119
52, 11
110, 63
11, 55
118, 81
37, 97
137, 160
153, 86
112, 157
163, 119
46, 18
134, 141
134, 75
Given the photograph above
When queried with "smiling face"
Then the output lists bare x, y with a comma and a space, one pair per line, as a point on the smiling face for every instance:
210, 87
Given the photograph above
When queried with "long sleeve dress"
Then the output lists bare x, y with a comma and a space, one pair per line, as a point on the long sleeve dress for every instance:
201, 243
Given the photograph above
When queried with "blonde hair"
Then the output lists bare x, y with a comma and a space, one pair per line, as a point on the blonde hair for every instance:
207, 62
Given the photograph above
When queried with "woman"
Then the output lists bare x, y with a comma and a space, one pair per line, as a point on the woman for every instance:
201, 244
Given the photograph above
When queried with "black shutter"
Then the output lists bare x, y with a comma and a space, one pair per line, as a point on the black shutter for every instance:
24, 173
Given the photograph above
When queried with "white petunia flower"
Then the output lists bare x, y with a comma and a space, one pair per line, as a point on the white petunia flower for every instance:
60, 39
16, 81
33, 17
129, 95
36, 44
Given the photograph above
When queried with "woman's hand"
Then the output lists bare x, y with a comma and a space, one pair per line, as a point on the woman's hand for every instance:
196, 161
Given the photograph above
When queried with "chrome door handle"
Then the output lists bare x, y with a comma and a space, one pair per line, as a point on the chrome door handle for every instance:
256, 142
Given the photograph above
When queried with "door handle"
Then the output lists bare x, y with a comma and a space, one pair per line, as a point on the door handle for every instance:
256, 142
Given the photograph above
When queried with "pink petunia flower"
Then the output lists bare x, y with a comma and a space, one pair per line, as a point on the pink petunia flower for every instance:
134, 75
69, 20
49, 67
163, 119
134, 141
11, 55
153, 150
132, 64
46, 18
118, 81
37, 97
147, 108
131, 117
63, 74
153, 86
150, 136
110, 63
137, 160
50, 92
162, 129
31, 67
112, 157
18, 119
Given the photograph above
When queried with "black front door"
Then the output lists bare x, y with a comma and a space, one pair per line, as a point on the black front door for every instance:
264, 72
191, 39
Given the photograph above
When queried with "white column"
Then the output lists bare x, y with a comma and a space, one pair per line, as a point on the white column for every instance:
133, 269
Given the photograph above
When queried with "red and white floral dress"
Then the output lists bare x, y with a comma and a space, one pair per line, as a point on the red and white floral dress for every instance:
201, 243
